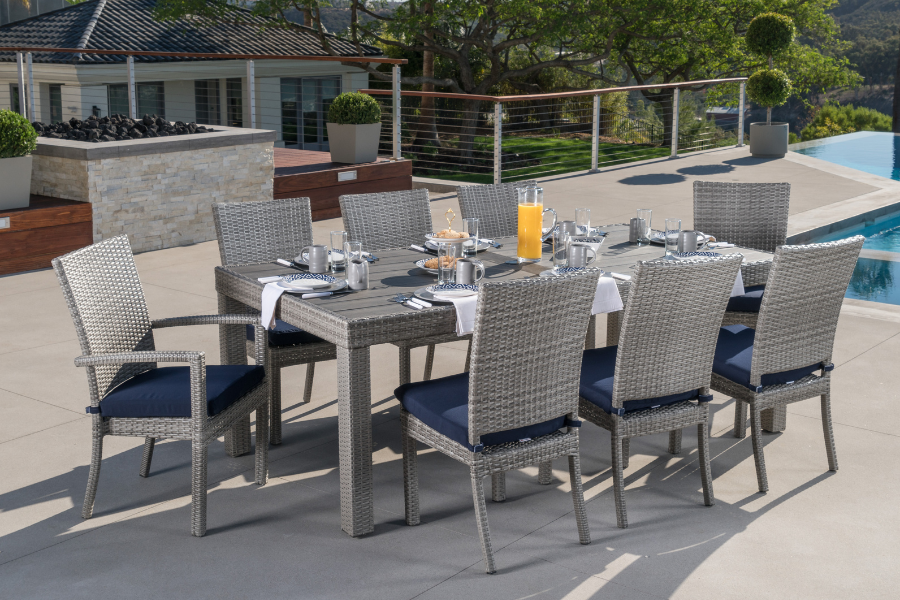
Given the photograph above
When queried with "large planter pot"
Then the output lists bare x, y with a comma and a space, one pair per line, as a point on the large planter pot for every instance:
768, 141
354, 143
15, 173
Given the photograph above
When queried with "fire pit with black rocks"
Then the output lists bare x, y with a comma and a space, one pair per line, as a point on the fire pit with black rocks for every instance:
117, 128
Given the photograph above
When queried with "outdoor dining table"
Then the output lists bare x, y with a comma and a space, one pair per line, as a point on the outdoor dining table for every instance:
356, 321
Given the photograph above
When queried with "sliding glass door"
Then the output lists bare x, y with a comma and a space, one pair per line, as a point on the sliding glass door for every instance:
304, 111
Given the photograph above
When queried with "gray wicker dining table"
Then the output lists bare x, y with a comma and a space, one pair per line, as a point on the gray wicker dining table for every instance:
356, 321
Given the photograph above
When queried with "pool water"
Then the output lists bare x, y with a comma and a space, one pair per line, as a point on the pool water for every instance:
881, 234
870, 151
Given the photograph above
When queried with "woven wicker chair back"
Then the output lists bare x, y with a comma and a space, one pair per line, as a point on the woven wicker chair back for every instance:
670, 327
106, 300
388, 219
262, 231
753, 215
495, 206
801, 305
526, 351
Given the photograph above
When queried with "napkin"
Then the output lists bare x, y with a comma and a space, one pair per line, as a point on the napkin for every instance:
465, 313
269, 279
607, 298
738, 288
270, 295
720, 245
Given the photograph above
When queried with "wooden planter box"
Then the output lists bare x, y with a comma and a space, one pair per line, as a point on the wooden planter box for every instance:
33, 236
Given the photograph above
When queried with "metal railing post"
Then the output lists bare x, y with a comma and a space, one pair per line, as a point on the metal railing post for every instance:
498, 142
395, 110
31, 112
675, 95
251, 94
132, 98
740, 131
21, 68
595, 135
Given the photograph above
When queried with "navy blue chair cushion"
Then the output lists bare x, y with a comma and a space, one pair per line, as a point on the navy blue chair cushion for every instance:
734, 353
749, 301
443, 405
285, 335
598, 366
166, 391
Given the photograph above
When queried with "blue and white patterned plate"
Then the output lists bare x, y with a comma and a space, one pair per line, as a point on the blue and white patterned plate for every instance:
307, 281
556, 271
694, 254
453, 290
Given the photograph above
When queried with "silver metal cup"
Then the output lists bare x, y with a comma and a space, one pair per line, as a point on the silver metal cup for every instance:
467, 269
637, 230
317, 260
581, 255
568, 227
358, 274
690, 241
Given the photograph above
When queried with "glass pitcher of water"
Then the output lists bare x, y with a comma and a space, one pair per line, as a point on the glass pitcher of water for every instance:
531, 220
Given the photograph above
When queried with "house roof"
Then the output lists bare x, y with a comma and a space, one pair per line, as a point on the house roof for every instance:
129, 25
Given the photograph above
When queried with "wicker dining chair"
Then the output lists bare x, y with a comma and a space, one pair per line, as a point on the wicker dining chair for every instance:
395, 220
131, 395
263, 231
495, 206
787, 357
518, 405
656, 379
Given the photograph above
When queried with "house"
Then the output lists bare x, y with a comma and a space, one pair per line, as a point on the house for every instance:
291, 97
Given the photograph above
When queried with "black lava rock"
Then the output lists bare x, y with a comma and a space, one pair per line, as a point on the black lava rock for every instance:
116, 128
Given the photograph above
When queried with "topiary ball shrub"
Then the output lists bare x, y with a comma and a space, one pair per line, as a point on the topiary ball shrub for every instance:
769, 87
17, 136
354, 108
769, 34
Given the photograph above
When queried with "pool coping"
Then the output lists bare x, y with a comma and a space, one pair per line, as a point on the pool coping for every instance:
835, 139
868, 309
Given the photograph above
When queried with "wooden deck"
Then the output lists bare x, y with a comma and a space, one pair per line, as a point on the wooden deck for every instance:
304, 173
47, 228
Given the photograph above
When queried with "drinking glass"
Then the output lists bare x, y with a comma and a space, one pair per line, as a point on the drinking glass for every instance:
645, 214
583, 221
447, 255
470, 226
338, 260
673, 229
561, 243
353, 251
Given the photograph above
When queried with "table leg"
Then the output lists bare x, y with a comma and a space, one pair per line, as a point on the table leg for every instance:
233, 351
590, 340
613, 326
355, 440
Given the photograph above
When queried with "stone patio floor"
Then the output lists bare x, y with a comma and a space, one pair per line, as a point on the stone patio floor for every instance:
816, 534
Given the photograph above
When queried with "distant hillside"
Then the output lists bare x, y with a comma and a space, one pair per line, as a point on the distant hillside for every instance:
872, 26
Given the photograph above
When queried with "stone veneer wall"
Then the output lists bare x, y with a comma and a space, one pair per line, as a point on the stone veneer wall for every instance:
160, 200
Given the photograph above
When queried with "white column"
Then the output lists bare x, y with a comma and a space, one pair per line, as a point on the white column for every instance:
251, 93
31, 112
595, 135
132, 97
498, 142
395, 109
740, 131
675, 123
19, 64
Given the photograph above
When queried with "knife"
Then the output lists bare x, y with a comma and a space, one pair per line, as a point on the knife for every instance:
324, 294
422, 249
492, 243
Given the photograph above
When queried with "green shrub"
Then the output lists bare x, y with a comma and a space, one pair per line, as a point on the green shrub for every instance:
834, 119
769, 87
769, 34
793, 138
17, 136
354, 108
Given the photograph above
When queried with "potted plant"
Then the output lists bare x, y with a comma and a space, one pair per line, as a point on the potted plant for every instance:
18, 139
354, 128
769, 34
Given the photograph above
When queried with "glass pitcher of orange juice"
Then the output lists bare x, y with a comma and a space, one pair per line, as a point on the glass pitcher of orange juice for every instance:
531, 223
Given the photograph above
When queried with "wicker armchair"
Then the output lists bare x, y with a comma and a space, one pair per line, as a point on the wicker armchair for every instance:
787, 358
515, 408
130, 395
495, 206
656, 379
259, 232
395, 220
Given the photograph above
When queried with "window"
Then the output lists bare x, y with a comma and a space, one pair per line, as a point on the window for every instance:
118, 99
304, 111
235, 103
55, 103
150, 99
14, 98
206, 99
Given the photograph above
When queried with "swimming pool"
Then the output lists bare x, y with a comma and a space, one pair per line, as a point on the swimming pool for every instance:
870, 151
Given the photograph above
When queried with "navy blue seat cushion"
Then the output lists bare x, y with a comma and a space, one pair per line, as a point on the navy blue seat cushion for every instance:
598, 366
749, 301
734, 353
285, 335
166, 391
443, 405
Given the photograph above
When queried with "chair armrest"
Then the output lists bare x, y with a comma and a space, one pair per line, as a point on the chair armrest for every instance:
96, 360
206, 320
755, 273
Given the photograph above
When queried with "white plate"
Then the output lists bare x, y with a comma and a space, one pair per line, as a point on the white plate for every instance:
338, 284
307, 281
453, 290
431, 237
658, 237
482, 246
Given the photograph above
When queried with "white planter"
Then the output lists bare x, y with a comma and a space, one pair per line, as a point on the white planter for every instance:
15, 175
353, 143
768, 141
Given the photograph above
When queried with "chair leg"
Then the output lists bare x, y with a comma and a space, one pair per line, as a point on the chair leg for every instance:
590, 339
545, 473
498, 487
675, 441
429, 363
829, 433
275, 404
410, 476
584, 533
148, 456
482, 521
468, 357
307, 388
774, 420
618, 482
405, 362
705, 470
626, 452
94, 474
199, 455
756, 435
262, 442
740, 418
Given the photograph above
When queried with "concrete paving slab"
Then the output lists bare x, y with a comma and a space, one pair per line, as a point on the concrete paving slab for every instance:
23, 416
